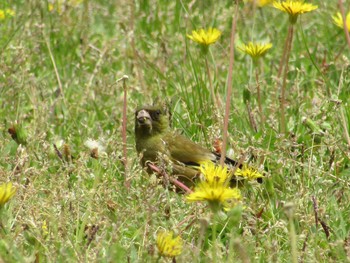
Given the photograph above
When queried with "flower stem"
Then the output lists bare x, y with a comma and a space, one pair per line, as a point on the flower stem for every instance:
284, 81
346, 29
123, 131
251, 117
216, 101
229, 86
343, 122
283, 58
259, 95
293, 241
214, 237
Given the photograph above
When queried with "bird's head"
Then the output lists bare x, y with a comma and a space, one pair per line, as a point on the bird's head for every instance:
151, 120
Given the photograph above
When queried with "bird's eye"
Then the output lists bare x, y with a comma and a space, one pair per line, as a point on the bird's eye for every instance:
155, 115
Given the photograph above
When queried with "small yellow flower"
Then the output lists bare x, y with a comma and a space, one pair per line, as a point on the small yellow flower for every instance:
167, 245
255, 50
57, 6
214, 174
214, 186
205, 37
294, 8
261, 3
50, 7
61, 5
218, 194
248, 173
7, 191
44, 228
2, 14
338, 20
10, 12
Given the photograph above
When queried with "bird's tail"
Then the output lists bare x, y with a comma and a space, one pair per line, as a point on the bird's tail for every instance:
237, 164
228, 161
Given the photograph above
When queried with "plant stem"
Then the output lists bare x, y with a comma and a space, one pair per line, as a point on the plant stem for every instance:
214, 237
123, 131
171, 179
293, 241
53, 61
259, 95
346, 29
212, 92
284, 81
283, 58
251, 117
229, 87
136, 57
343, 122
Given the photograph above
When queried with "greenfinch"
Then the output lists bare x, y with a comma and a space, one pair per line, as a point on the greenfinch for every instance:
156, 142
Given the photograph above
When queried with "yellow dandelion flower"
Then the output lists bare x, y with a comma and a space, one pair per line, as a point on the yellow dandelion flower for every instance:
218, 194
213, 186
7, 191
10, 12
215, 174
50, 7
338, 20
167, 245
261, 3
2, 14
205, 37
248, 173
255, 50
294, 8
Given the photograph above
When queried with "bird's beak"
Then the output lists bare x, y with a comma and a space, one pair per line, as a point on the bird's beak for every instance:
143, 116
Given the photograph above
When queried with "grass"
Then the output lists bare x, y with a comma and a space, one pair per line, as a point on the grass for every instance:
58, 75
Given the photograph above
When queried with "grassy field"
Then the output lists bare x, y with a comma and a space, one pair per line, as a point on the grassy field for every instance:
58, 88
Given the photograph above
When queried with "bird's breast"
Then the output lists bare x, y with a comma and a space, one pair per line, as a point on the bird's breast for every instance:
150, 148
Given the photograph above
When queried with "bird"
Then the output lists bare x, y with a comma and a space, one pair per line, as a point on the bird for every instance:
157, 142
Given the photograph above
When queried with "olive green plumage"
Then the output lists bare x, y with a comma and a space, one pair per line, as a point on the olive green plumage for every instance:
156, 141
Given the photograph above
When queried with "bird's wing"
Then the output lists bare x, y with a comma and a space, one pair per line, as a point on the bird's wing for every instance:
188, 152
184, 150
